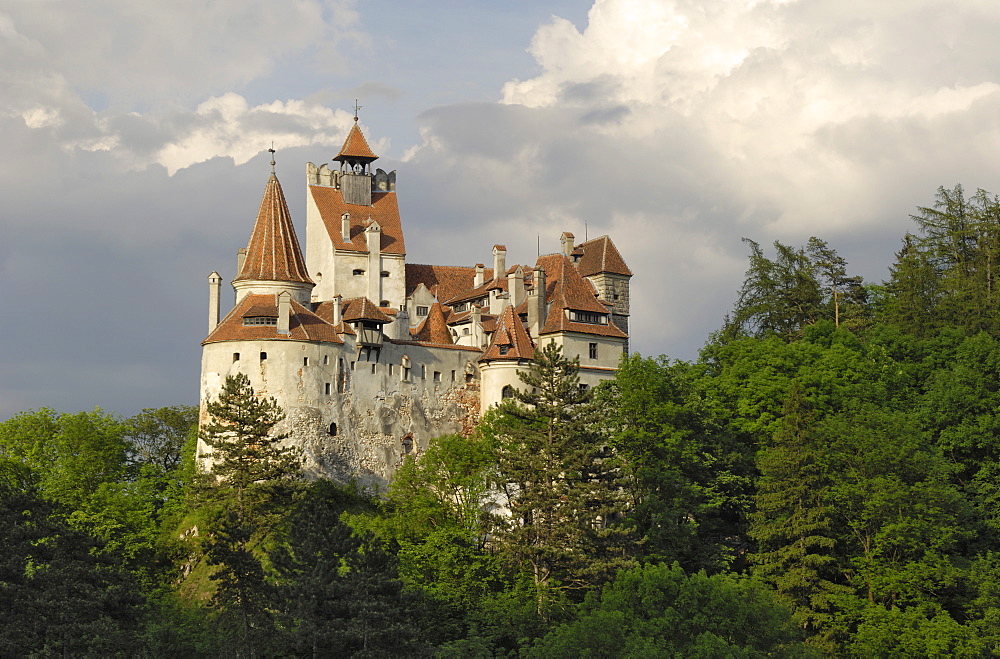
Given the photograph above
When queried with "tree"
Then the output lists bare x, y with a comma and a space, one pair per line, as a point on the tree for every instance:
339, 592
778, 297
245, 451
659, 611
251, 468
844, 290
791, 524
561, 484
156, 435
60, 591
685, 475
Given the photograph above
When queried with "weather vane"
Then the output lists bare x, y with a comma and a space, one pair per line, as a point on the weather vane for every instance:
272, 152
356, 109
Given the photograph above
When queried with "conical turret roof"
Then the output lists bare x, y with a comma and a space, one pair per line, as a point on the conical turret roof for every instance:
273, 253
355, 147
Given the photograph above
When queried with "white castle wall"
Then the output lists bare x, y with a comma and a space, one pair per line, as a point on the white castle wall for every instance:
379, 412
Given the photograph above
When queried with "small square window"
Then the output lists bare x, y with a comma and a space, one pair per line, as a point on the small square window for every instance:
236, 356
437, 376
263, 356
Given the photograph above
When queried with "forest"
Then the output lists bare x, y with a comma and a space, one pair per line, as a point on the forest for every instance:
823, 480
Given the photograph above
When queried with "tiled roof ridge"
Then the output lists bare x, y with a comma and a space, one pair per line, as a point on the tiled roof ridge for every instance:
273, 253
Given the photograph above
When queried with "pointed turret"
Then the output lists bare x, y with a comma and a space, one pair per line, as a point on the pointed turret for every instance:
273, 260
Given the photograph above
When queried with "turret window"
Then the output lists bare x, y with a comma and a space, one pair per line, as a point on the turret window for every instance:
507, 392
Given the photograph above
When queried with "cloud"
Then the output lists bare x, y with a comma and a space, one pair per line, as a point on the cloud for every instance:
679, 126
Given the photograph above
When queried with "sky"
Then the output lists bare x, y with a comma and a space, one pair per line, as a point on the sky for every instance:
135, 133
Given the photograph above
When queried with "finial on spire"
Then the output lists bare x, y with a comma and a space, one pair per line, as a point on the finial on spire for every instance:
272, 152
356, 109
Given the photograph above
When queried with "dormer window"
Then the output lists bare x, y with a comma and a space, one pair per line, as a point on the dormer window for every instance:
249, 321
589, 317
421, 311
504, 349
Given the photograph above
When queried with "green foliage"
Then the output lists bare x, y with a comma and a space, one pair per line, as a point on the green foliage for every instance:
156, 437
339, 592
60, 592
686, 475
560, 481
659, 611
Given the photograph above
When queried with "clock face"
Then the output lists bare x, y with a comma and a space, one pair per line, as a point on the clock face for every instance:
357, 168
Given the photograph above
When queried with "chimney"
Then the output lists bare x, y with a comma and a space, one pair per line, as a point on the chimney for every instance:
402, 324
515, 286
480, 274
345, 227
241, 256
284, 312
499, 262
338, 311
567, 243
214, 286
478, 337
537, 304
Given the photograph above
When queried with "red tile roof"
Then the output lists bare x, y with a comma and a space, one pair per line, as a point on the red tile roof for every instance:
601, 255
355, 147
303, 324
434, 328
568, 290
443, 281
510, 333
361, 308
273, 253
384, 210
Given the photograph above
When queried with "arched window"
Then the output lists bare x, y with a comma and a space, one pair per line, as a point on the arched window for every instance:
507, 392
333, 430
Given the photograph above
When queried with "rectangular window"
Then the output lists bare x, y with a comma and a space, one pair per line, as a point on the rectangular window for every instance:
421, 311
390, 369
373, 368
453, 376
406, 374
263, 356
593, 351
423, 372
437, 376
326, 388
504, 349
236, 356
352, 365
305, 361
326, 359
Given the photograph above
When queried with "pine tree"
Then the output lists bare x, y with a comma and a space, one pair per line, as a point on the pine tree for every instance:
792, 525
562, 485
245, 451
253, 473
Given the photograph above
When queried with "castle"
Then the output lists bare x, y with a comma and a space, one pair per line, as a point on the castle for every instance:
371, 356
